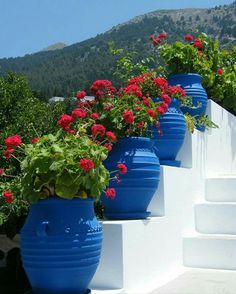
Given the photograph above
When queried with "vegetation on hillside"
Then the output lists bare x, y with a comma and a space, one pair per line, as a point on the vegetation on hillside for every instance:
62, 72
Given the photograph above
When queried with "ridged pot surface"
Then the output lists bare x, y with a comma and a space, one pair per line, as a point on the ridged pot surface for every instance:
170, 137
191, 83
138, 185
61, 245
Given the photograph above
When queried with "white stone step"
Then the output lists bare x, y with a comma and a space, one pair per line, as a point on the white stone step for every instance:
210, 251
215, 218
221, 188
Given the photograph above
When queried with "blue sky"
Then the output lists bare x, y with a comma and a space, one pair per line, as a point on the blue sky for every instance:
27, 26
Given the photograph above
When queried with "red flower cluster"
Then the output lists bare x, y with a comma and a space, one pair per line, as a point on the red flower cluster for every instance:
136, 80
166, 98
133, 89
78, 113
152, 113
122, 168
65, 122
2, 172
80, 95
128, 117
188, 37
11, 143
108, 146
110, 193
111, 136
34, 140
220, 71
98, 130
176, 90
101, 88
198, 43
94, 115
158, 39
86, 164
8, 197
162, 108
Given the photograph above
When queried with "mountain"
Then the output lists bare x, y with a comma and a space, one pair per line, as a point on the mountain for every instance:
62, 72
55, 47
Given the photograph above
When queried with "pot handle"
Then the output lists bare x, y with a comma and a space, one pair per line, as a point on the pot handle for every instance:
41, 229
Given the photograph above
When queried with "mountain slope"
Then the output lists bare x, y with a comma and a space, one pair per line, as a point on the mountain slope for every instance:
61, 72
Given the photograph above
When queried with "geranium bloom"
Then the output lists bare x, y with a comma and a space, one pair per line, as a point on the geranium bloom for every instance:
94, 115
80, 95
160, 110
86, 164
162, 36
161, 82
136, 80
128, 116
156, 41
78, 113
152, 113
13, 141
133, 90
8, 153
122, 168
188, 37
102, 87
65, 121
98, 130
34, 140
166, 98
111, 136
220, 71
8, 197
110, 193
1, 172
108, 146
164, 106
198, 43
176, 90
141, 124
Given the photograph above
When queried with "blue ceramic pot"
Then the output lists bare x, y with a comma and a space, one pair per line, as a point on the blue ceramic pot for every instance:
61, 245
191, 83
173, 129
139, 184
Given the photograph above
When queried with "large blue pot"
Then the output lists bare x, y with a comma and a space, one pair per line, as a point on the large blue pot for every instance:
61, 245
191, 83
138, 185
171, 138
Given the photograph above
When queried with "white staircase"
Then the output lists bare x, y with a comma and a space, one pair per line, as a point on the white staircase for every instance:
214, 244
193, 220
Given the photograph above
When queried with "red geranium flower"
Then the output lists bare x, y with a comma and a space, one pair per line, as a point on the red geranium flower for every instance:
1, 172
166, 98
8, 197
133, 89
146, 102
94, 115
98, 130
152, 113
34, 140
110, 193
122, 168
161, 82
108, 146
78, 113
86, 164
198, 43
8, 153
13, 141
111, 136
188, 37
80, 95
128, 116
65, 121
141, 124
220, 71
162, 36
160, 110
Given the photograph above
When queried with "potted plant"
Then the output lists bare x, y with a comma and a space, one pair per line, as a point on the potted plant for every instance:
129, 114
169, 131
184, 61
61, 176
